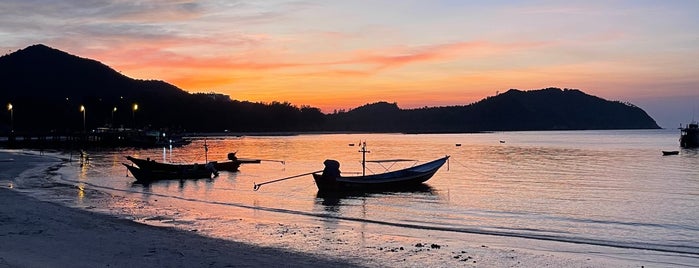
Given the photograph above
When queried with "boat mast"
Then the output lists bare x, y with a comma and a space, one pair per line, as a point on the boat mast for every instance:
206, 152
363, 150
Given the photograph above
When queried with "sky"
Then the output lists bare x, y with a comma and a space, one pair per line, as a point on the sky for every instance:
340, 54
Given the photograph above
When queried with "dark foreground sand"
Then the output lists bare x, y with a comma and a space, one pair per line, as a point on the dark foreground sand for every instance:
41, 234
35, 233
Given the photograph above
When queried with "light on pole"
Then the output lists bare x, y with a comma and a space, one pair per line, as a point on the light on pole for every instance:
133, 114
12, 117
82, 110
113, 110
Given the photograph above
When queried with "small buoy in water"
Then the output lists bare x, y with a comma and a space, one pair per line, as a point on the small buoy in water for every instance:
458, 144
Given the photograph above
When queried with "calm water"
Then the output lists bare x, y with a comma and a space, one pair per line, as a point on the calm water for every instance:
609, 188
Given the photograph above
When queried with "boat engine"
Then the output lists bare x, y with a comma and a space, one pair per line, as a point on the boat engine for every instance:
331, 170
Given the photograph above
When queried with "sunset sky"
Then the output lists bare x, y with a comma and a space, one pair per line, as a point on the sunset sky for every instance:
336, 54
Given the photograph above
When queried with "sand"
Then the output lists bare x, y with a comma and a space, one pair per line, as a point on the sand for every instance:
36, 233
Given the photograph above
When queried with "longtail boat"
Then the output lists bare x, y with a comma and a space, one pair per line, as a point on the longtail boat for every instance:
150, 170
331, 179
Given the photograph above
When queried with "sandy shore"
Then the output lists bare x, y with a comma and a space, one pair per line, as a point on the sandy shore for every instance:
42, 234
36, 233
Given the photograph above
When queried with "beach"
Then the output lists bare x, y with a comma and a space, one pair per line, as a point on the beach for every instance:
42, 234
36, 233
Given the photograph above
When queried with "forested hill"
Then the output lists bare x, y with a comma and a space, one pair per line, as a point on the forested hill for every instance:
544, 109
47, 86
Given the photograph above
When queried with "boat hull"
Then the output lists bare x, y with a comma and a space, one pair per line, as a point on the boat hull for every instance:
149, 164
671, 152
149, 175
394, 180
150, 170
233, 165
230, 166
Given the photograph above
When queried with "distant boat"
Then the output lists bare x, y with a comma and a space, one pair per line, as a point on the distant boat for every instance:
146, 170
689, 136
331, 180
671, 152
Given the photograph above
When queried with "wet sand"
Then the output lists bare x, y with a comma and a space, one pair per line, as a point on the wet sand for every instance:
42, 234
36, 233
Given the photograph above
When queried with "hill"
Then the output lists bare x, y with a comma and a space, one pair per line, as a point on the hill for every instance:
544, 109
47, 86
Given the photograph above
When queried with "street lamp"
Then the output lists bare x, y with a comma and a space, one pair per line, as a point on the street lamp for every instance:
133, 114
12, 117
82, 110
113, 110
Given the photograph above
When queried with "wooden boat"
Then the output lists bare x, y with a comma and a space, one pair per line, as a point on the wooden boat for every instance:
689, 135
671, 152
149, 175
233, 163
150, 170
331, 180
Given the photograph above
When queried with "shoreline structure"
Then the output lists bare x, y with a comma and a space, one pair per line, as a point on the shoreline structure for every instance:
36, 233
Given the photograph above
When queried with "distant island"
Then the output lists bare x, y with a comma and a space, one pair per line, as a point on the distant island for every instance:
46, 88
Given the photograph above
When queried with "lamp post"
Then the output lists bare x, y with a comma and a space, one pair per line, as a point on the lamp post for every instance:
133, 114
12, 117
113, 110
82, 110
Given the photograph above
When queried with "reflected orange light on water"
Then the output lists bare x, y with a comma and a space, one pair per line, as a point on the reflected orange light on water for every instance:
494, 181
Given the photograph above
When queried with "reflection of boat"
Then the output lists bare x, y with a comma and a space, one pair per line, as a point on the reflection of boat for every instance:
332, 200
331, 180
689, 136
149, 170
233, 163
671, 152
420, 188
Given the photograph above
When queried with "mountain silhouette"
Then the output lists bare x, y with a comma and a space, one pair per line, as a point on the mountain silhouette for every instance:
543, 109
47, 87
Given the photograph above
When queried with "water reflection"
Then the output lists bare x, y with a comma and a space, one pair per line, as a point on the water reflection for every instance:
181, 183
332, 201
573, 186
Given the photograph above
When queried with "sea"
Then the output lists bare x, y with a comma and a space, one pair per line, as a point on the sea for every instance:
608, 193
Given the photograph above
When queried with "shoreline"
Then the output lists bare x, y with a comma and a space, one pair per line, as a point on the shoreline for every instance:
43, 234
36, 233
